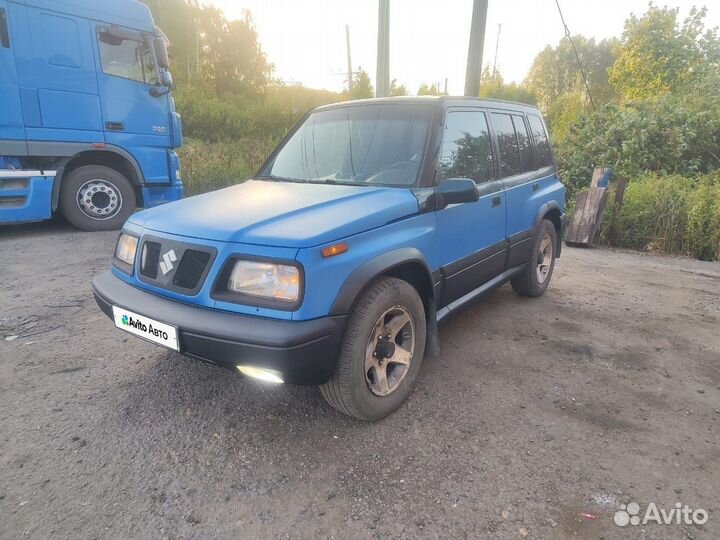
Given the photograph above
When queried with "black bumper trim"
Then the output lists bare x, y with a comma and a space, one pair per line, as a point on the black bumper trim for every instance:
305, 352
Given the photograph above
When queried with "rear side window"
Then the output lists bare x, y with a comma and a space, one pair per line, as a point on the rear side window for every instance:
526, 161
466, 149
543, 155
508, 147
126, 58
4, 33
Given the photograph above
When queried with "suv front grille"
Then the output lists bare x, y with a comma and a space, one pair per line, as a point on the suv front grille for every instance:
173, 265
150, 260
191, 269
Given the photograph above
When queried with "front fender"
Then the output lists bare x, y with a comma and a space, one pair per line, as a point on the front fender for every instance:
367, 272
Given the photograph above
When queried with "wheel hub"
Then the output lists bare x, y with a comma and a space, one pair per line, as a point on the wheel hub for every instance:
385, 348
99, 199
390, 351
544, 258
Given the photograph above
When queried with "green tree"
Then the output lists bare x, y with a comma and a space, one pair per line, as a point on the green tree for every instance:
398, 89
492, 85
555, 71
362, 87
671, 134
428, 90
205, 46
657, 55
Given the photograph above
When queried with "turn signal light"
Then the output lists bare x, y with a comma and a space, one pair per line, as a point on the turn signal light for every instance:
331, 251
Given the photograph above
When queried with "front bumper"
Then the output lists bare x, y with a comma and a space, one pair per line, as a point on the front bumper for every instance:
305, 352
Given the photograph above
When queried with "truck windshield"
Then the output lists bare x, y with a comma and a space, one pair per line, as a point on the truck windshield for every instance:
362, 144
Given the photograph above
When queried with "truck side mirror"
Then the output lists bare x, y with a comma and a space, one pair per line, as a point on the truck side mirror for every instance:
455, 191
161, 53
166, 79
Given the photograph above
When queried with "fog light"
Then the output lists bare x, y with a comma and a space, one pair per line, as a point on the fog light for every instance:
267, 375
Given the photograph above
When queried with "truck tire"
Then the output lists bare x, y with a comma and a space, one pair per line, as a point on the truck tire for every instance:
536, 277
96, 198
381, 353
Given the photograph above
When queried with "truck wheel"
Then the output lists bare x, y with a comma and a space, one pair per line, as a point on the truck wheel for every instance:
96, 198
536, 277
381, 353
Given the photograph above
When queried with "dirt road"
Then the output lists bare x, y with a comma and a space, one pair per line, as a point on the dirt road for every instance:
602, 392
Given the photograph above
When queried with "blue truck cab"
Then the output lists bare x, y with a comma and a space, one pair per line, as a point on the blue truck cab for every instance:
369, 224
87, 122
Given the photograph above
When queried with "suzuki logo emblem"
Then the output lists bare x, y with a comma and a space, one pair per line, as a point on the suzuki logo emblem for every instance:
166, 265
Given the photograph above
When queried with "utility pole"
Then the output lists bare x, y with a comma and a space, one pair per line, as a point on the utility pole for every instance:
350, 71
382, 79
475, 48
497, 45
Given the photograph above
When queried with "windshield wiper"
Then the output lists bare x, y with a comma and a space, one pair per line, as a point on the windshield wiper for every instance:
278, 178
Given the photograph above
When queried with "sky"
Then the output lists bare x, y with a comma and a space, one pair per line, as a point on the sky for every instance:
305, 39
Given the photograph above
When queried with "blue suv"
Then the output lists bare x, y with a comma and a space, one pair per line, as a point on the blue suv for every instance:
370, 223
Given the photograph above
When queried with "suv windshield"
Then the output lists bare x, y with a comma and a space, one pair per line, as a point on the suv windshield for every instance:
364, 144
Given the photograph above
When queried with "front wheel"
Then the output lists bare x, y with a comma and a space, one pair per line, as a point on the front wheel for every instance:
536, 277
381, 353
96, 198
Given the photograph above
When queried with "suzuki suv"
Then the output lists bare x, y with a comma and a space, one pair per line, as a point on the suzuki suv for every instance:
370, 223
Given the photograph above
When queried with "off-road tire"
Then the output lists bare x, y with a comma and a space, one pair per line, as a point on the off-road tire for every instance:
348, 390
528, 283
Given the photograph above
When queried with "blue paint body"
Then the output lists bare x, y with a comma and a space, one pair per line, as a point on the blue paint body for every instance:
291, 221
380, 181
58, 101
36, 193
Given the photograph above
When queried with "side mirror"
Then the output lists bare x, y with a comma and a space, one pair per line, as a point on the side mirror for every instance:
166, 79
159, 91
456, 191
161, 53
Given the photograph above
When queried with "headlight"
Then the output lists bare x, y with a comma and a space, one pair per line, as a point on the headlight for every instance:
126, 248
265, 280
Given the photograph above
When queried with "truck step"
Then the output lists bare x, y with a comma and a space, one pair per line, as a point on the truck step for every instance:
25, 196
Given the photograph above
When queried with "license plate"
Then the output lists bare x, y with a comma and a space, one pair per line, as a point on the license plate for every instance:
145, 327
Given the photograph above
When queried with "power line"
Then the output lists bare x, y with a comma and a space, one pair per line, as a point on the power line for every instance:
577, 56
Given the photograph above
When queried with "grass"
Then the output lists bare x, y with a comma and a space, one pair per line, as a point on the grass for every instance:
670, 214
210, 166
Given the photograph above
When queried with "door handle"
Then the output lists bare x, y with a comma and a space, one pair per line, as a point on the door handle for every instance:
496, 201
114, 126
535, 187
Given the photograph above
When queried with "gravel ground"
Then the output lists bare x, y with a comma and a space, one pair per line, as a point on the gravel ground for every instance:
539, 418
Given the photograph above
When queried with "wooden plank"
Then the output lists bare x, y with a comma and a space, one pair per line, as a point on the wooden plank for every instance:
586, 221
599, 214
574, 226
601, 177
620, 185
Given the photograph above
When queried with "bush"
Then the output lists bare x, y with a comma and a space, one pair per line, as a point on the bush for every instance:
671, 135
269, 114
209, 166
672, 214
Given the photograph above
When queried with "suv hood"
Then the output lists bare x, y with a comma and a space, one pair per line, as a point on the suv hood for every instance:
281, 214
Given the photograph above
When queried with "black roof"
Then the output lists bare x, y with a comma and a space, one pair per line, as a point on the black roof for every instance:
438, 100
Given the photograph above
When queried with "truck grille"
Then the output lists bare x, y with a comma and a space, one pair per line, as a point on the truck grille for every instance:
175, 266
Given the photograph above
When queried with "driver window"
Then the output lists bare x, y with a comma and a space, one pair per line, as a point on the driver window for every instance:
466, 149
126, 58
